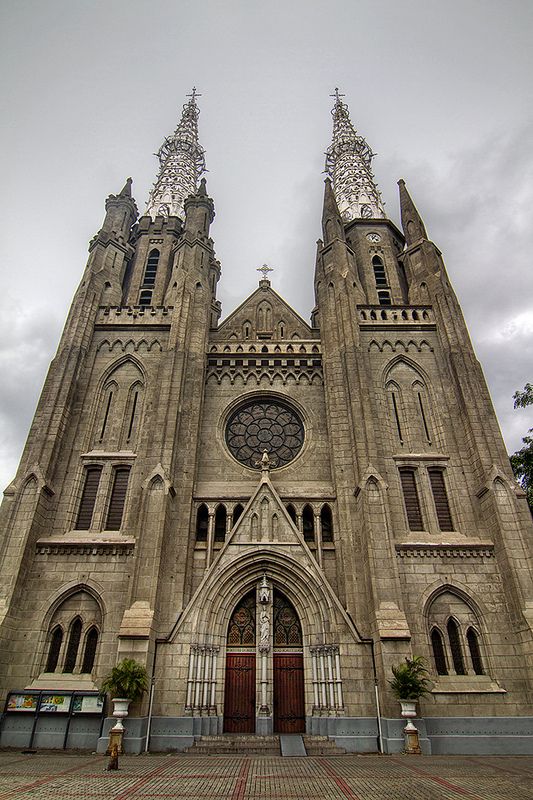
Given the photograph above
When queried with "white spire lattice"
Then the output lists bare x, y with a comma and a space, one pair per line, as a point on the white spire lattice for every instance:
349, 165
182, 161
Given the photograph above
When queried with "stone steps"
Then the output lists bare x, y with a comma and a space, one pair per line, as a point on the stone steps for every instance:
322, 746
228, 744
239, 745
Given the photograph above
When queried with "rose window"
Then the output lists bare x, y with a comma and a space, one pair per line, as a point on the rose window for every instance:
261, 425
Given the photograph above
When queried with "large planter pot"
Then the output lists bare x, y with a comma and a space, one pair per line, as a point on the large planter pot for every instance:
120, 708
408, 708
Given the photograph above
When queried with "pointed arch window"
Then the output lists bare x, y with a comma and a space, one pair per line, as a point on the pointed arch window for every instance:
132, 411
450, 615
79, 614
241, 629
394, 395
237, 511
455, 647
442, 507
118, 498
475, 653
88, 497
287, 627
308, 523
73, 645
326, 523
202, 523
411, 499
150, 270
439, 655
220, 523
55, 648
89, 654
379, 272
292, 513
107, 401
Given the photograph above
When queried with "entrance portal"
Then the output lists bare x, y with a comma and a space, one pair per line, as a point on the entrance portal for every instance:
289, 703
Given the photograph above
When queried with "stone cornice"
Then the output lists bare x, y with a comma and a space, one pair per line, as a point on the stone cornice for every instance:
439, 550
65, 545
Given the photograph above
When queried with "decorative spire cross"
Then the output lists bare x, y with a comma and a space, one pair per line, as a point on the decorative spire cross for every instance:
181, 163
349, 165
265, 269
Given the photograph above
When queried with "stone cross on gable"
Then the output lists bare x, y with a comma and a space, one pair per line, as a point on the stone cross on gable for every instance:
265, 269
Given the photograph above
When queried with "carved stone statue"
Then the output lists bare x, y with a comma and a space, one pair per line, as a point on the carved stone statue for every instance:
264, 627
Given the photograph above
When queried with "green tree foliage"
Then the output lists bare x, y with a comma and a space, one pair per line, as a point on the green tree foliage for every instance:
522, 460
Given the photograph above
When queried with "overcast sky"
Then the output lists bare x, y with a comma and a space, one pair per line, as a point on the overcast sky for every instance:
442, 91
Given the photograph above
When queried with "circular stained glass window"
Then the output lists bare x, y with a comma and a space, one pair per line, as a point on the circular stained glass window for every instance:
264, 424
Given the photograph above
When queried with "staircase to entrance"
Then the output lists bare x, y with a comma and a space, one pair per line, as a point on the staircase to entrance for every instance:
252, 745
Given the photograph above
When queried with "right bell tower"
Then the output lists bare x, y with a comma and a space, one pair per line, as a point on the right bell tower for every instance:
436, 536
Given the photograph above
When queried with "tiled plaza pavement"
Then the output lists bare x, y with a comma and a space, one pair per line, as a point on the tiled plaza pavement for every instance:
57, 777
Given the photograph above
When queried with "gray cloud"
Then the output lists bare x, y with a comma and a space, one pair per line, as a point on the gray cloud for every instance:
91, 89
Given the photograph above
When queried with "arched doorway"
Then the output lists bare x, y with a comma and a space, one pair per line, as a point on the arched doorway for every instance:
288, 684
239, 695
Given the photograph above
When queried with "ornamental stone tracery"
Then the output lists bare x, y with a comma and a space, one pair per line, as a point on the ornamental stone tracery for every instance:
264, 424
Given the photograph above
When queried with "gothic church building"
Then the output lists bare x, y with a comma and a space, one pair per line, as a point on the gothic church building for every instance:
268, 513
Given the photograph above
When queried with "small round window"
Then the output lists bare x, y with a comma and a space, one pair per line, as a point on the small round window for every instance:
264, 424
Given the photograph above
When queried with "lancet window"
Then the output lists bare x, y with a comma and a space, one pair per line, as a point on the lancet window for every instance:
326, 523
151, 269
202, 523
118, 498
308, 523
411, 499
410, 407
454, 635
241, 629
88, 497
287, 628
220, 523
74, 632
119, 407
440, 496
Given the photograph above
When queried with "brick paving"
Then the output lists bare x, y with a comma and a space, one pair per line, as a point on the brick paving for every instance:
52, 776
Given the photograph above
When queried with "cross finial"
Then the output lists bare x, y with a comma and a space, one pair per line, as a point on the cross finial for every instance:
337, 95
265, 269
193, 94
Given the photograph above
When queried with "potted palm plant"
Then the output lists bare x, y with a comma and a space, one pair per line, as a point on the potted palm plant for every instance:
126, 682
409, 683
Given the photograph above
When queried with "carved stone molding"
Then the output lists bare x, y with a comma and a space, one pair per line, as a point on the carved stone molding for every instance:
482, 550
67, 546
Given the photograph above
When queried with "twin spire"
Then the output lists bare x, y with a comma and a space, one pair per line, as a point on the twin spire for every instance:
348, 165
181, 163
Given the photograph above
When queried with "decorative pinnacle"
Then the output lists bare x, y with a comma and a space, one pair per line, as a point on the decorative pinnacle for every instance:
181, 162
265, 269
349, 165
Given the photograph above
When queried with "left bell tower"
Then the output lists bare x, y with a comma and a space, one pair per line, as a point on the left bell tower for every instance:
94, 536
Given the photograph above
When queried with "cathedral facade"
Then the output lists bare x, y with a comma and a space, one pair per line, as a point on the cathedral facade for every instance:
268, 513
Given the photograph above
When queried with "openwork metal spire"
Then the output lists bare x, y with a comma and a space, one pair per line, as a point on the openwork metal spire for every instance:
349, 165
182, 161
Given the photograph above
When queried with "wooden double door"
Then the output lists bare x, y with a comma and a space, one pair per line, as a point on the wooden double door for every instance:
288, 691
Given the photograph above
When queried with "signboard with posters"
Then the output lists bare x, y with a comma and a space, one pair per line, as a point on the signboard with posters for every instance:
22, 702
55, 702
87, 704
